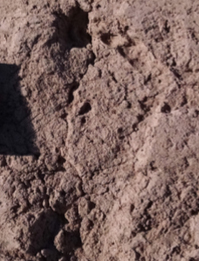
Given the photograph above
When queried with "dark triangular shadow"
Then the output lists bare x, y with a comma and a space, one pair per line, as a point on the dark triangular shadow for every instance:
17, 136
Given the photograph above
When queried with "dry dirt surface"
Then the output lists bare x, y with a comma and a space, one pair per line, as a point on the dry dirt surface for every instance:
99, 130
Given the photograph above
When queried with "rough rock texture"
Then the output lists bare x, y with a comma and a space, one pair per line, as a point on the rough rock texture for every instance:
99, 138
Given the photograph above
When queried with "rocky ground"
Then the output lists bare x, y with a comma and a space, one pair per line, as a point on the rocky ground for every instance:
99, 138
